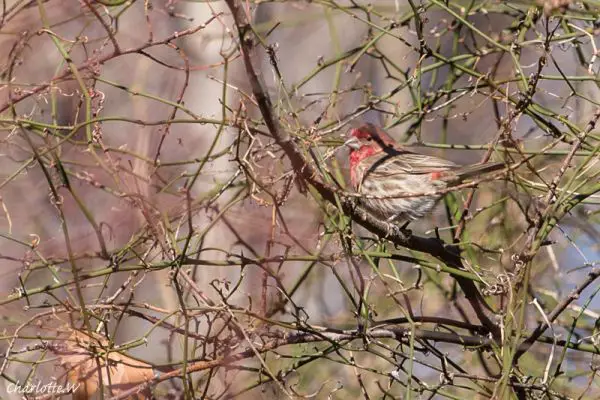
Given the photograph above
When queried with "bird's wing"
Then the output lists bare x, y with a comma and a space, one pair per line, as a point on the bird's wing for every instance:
406, 162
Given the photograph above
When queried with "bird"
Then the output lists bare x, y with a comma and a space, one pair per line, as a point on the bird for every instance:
385, 173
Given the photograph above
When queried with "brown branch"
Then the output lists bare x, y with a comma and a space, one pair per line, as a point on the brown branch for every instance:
303, 337
334, 337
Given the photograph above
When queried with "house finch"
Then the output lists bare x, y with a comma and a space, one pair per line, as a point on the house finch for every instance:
379, 167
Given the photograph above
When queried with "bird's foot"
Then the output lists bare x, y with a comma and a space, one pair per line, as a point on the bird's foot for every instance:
397, 231
390, 230
393, 229
403, 232
400, 231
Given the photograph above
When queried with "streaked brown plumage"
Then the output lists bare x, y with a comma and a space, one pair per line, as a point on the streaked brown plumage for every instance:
380, 167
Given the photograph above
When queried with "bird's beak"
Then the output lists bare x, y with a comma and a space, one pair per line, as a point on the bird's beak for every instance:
353, 143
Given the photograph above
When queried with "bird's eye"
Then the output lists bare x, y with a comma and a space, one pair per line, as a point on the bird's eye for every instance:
369, 138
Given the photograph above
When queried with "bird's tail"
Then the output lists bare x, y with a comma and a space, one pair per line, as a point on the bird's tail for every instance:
474, 171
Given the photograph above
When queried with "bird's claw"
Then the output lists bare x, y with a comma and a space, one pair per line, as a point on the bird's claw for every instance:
402, 231
390, 229
397, 231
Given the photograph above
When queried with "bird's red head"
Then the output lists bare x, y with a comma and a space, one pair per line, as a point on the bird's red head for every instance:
368, 135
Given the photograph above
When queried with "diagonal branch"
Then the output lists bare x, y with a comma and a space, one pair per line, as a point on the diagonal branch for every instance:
306, 172
558, 309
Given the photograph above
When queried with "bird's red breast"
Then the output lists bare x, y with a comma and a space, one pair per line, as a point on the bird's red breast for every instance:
356, 157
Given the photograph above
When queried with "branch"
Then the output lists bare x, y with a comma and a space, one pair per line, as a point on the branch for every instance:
558, 309
334, 337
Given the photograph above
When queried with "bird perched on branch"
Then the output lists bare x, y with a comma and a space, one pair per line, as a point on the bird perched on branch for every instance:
399, 185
